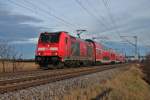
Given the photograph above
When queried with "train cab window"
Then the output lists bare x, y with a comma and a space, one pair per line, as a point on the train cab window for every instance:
49, 37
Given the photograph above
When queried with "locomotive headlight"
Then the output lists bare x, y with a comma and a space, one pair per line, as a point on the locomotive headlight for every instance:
41, 49
56, 53
54, 48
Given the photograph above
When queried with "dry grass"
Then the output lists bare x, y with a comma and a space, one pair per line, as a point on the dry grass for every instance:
17, 66
129, 86
126, 86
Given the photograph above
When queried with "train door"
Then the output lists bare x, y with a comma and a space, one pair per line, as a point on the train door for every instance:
66, 47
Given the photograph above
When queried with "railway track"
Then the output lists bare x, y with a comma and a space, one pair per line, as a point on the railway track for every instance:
14, 75
9, 85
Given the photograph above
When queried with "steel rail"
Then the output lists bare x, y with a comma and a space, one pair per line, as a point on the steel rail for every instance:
22, 83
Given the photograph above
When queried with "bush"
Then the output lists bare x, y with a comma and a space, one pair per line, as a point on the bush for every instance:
146, 68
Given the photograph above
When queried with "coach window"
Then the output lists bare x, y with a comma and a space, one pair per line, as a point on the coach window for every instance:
99, 51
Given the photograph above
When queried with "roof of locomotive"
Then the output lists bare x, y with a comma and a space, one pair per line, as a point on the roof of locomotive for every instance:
54, 32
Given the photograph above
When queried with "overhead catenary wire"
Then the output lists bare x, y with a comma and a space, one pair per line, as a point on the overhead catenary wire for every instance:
51, 14
107, 6
68, 24
51, 9
27, 8
106, 3
90, 13
103, 20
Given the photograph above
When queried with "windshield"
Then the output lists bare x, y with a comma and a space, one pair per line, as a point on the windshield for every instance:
49, 37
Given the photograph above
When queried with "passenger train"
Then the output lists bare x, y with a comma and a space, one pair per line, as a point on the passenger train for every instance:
61, 49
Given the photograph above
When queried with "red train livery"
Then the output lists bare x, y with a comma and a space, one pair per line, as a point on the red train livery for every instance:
60, 48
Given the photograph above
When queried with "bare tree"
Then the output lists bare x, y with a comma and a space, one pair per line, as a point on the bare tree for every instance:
15, 57
5, 52
8, 53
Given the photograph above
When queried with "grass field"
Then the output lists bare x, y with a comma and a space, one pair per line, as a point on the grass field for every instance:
9, 66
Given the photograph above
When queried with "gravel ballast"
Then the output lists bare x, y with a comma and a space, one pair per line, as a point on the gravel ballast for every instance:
56, 90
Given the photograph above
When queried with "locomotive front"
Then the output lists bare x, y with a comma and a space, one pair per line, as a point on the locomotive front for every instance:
47, 51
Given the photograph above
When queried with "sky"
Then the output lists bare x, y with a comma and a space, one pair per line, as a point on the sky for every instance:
21, 22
